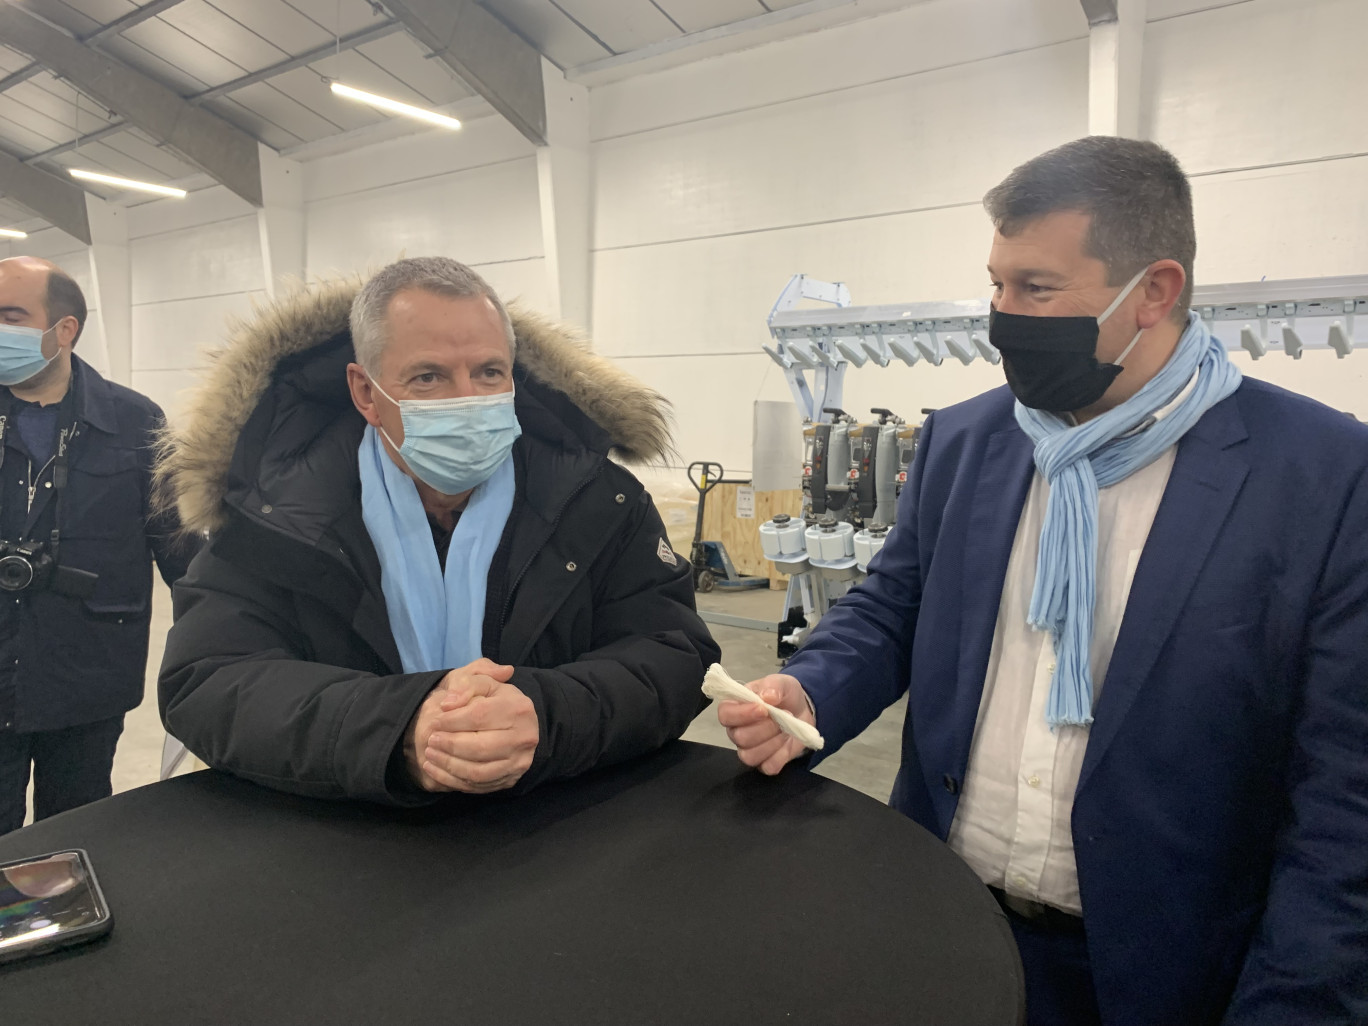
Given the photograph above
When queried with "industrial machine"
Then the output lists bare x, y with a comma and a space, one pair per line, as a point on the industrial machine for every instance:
853, 472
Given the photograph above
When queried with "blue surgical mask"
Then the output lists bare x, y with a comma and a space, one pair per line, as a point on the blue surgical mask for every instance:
21, 353
453, 445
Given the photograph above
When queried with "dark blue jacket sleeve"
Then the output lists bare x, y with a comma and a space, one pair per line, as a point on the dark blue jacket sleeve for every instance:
856, 662
1308, 962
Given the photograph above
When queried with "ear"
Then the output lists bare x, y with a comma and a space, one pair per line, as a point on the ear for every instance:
1162, 287
64, 331
358, 382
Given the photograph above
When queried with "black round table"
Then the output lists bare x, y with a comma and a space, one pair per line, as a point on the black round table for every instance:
679, 888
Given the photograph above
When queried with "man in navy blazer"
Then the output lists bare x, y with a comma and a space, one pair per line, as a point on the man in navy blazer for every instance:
1198, 852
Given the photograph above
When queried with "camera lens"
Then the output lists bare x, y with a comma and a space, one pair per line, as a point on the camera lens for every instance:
16, 573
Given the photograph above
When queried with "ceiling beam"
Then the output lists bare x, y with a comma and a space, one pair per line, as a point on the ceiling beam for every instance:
1100, 12
114, 28
60, 202
346, 43
496, 62
223, 151
114, 128
350, 42
783, 23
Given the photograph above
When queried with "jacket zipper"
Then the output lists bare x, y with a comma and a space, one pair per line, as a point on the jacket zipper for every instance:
508, 600
33, 488
63, 440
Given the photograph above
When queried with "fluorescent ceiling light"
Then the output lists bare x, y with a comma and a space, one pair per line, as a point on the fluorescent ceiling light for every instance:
394, 106
126, 183
13, 233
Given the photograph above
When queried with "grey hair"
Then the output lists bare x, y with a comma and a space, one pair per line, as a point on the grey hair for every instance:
440, 275
1135, 192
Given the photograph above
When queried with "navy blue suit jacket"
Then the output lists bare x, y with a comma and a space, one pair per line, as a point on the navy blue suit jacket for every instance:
1221, 818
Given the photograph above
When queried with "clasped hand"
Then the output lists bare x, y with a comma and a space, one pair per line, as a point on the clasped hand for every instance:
475, 732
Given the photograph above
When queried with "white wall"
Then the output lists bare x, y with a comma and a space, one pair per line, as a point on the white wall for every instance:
1252, 99
858, 153
194, 263
471, 195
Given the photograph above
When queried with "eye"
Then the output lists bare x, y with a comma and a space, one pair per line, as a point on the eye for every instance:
1038, 289
426, 378
494, 373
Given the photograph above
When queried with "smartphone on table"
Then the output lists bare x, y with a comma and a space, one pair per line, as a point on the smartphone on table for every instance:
50, 902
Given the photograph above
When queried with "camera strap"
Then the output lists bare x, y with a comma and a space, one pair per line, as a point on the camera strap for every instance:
68, 429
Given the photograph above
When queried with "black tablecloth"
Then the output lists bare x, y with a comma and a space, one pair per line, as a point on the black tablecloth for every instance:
677, 889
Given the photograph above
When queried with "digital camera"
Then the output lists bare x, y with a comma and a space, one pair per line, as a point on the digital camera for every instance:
29, 564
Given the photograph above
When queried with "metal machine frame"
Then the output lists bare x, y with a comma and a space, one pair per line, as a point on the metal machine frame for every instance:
1259, 317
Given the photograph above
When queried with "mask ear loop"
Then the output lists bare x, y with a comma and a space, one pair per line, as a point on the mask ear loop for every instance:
1120, 298
376, 385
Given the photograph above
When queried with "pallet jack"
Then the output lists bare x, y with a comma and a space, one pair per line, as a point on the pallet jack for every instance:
712, 567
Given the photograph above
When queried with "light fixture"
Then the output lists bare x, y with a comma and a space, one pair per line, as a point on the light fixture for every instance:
13, 233
394, 106
126, 183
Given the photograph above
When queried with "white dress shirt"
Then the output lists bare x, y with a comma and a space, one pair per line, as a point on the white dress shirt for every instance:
1012, 824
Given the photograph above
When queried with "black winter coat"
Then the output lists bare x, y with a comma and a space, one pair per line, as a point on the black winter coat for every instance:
281, 667
65, 661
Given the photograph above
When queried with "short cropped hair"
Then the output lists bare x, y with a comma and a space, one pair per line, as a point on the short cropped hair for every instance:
439, 275
64, 298
1135, 192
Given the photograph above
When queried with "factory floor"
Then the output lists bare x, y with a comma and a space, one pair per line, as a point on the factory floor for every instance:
867, 764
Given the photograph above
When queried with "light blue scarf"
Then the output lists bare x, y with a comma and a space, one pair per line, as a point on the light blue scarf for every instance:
437, 618
1076, 461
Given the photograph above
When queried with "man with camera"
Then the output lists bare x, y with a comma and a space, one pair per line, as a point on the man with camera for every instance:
76, 548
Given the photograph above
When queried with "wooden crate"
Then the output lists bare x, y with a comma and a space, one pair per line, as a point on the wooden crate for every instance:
741, 535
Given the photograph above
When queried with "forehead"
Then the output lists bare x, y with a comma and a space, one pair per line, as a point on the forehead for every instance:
22, 285
1058, 240
444, 329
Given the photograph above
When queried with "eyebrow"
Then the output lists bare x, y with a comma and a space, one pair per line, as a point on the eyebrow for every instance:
1033, 272
426, 367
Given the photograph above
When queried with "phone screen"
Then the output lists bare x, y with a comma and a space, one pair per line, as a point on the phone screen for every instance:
47, 901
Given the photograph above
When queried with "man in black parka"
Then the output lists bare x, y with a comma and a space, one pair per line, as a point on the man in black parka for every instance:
283, 666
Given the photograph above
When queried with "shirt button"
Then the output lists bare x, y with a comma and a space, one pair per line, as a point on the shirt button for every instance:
266, 508
1033, 780
571, 567
1051, 668
619, 499
1019, 880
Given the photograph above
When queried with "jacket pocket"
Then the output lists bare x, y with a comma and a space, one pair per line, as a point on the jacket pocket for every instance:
104, 494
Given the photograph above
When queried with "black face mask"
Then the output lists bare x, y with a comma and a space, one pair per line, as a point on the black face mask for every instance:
1051, 362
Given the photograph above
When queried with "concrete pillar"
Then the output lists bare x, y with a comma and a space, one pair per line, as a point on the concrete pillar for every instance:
112, 283
281, 220
563, 178
1115, 61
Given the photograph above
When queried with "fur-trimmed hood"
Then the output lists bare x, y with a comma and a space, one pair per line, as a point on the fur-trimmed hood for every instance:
196, 455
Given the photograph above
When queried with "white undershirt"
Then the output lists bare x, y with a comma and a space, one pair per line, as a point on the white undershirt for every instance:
1013, 821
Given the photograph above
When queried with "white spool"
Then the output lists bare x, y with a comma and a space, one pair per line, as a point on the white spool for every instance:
838, 544
782, 537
